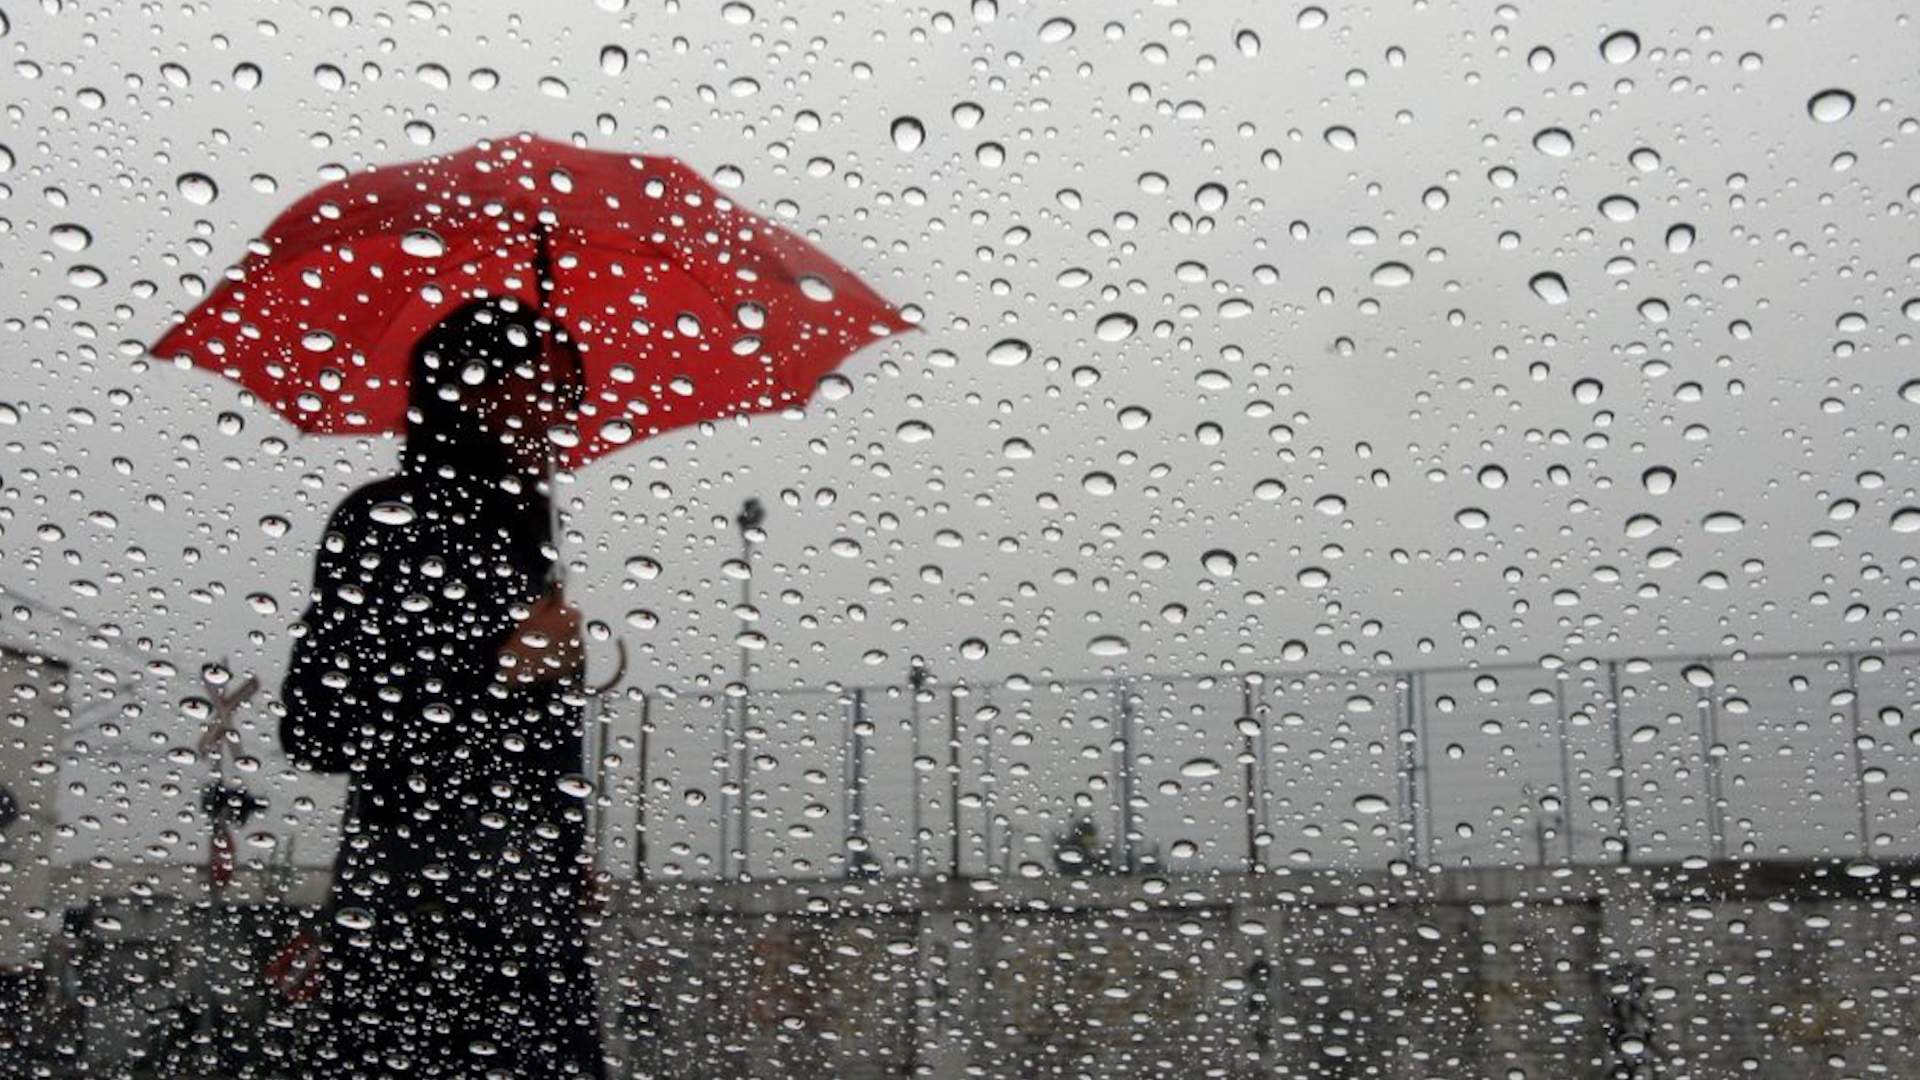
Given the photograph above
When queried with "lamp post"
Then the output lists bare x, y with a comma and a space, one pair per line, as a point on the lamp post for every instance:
916, 682
750, 517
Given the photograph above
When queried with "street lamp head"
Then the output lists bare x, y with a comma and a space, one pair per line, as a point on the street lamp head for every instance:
751, 514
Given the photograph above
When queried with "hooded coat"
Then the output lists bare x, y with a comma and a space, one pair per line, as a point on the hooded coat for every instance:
456, 944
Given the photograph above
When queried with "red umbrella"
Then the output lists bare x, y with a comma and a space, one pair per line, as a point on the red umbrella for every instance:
684, 306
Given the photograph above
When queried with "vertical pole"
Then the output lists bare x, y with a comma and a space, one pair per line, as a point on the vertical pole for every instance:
1247, 784
1566, 767
725, 867
1709, 767
1417, 704
953, 783
916, 679
1409, 771
1859, 755
1129, 782
1617, 720
640, 803
749, 519
857, 853
742, 771
1261, 758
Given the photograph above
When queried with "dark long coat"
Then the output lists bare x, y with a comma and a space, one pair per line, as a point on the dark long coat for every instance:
456, 943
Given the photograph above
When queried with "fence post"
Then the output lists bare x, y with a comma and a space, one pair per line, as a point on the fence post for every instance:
1254, 861
858, 856
1617, 715
953, 782
1566, 766
1123, 774
1859, 755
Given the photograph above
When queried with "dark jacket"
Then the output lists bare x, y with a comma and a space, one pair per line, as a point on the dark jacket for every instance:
457, 941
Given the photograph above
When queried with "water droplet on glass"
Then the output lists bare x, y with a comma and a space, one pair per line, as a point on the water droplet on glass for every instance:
1341, 138
1620, 47
1723, 521
1011, 352
1115, 327
1680, 238
1055, 31
1905, 520
1392, 275
391, 513
1657, 480
1200, 768
1099, 483
197, 188
1541, 59
1553, 142
423, 244
70, 237
1830, 106
908, 133
1371, 804
613, 60
914, 431
1492, 477
1550, 287
1619, 208
1311, 18
1109, 645
1220, 562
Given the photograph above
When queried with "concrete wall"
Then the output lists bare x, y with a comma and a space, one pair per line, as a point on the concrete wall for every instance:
33, 696
1710, 970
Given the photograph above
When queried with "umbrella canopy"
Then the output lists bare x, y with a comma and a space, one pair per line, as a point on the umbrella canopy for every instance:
684, 307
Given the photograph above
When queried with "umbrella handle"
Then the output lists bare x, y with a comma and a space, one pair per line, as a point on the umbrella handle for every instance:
619, 671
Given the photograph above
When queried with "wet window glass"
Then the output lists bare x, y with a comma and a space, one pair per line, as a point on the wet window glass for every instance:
647, 538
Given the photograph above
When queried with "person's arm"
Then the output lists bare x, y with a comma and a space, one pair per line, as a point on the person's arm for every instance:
327, 690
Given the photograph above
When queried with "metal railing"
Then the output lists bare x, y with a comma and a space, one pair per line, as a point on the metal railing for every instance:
1742, 755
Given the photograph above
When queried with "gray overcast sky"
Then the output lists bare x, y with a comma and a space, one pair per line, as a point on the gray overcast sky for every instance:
1321, 229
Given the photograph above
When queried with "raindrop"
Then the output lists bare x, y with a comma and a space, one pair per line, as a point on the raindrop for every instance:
1553, 142
1311, 18
1911, 391
1099, 483
1116, 327
1247, 42
1435, 198
1056, 30
914, 431
423, 244
1108, 645
246, 76
1906, 520
613, 60
70, 237
1723, 521
908, 133
197, 188
1371, 804
1392, 275
1341, 138
1492, 477
1657, 480
1619, 208
391, 513
1550, 287
1541, 59
1200, 768
86, 277
1830, 106
275, 526
1220, 562
1011, 352
1680, 238
1620, 47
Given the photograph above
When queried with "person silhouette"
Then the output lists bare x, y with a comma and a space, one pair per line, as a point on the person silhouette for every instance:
439, 667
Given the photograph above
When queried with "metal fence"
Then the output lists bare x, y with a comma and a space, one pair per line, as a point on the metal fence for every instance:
1751, 756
